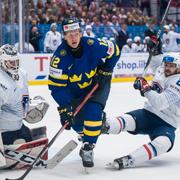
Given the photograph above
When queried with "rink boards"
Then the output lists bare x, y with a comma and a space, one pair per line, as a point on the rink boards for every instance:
127, 68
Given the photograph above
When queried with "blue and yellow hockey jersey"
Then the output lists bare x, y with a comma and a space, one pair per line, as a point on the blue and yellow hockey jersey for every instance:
71, 77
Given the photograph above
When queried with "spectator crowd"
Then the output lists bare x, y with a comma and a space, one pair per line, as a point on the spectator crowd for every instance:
115, 16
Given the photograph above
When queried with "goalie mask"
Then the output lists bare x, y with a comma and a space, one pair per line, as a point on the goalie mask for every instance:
9, 61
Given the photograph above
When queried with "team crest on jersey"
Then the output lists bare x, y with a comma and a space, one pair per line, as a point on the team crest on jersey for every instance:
63, 52
90, 41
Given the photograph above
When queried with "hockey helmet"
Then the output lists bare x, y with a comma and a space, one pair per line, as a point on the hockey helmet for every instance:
70, 24
137, 39
166, 27
9, 60
129, 40
172, 58
53, 25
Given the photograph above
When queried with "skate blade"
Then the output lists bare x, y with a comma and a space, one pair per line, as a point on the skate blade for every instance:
113, 166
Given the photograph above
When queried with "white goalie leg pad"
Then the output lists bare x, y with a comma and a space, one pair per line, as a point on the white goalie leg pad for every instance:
162, 144
37, 109
2, 157
124, 122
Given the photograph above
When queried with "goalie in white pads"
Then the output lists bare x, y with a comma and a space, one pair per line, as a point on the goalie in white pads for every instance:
159, 118
15, 105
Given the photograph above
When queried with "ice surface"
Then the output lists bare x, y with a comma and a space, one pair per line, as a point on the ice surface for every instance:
122, 98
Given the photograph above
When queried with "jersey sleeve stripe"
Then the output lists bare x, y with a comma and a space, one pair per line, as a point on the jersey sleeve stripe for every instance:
56, 84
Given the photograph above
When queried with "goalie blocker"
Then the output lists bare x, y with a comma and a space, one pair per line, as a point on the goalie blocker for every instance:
37, 109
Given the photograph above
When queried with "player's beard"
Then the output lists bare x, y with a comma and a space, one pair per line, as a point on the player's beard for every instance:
170, 73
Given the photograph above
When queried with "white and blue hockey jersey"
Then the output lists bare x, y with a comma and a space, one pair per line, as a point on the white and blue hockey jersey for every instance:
164, 101
14, 101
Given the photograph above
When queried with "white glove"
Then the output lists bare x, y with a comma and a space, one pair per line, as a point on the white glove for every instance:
37, 109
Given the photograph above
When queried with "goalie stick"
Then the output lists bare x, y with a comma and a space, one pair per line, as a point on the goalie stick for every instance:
158, 35
28, 159
56, 135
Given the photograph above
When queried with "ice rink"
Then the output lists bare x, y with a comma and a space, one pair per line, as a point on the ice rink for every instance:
122, 98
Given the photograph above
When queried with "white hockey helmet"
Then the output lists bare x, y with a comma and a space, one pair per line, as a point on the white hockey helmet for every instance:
172, 58
9, 60
167, 27
137, 39
129, 40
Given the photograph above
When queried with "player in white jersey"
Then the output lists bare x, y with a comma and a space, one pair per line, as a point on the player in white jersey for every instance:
159, 118
14, 100
128, 48
52, 39
137, 45
169, 40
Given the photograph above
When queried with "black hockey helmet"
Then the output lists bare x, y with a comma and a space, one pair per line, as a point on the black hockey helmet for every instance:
70, 24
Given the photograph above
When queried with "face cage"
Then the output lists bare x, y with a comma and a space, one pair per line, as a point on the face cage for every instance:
11, 67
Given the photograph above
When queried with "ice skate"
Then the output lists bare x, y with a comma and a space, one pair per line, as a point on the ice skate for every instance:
87, 155
121, 163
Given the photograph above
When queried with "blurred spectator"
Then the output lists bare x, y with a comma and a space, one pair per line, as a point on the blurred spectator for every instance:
169, 40
163, 5
33, 23
145, 5
104, 16
52, 39
34, 38
137, 45
88, 31
122, 36
127, 48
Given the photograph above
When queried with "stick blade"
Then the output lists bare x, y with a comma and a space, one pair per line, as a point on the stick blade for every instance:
64, 152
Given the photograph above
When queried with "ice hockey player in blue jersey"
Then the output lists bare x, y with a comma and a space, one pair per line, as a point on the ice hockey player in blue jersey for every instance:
160, 116
76, 66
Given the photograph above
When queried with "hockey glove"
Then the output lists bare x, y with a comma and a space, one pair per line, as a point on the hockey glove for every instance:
104, 76
37, 109
154, 45
66, 115
142, 85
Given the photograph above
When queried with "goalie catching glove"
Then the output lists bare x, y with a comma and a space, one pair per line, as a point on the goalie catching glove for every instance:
37, 109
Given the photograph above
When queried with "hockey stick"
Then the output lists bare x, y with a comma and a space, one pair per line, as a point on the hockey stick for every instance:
28, 159
56, 135
158, 35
